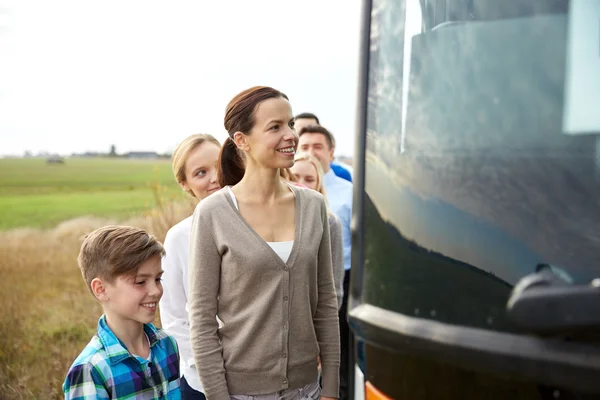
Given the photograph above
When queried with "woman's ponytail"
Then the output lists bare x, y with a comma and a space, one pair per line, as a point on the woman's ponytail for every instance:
230, 165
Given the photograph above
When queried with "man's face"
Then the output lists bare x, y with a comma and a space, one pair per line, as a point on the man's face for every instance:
316, 144
304, 122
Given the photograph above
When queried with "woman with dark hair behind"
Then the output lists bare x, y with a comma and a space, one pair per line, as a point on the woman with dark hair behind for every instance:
260, 261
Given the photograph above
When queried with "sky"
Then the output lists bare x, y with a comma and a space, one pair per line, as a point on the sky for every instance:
82, 75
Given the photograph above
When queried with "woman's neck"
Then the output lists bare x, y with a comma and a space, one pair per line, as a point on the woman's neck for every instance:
262, 185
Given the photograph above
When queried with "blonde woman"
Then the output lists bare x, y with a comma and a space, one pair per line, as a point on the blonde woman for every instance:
194, 167
308, 172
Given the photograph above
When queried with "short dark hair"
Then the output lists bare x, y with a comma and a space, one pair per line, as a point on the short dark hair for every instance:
307, 116
321, 130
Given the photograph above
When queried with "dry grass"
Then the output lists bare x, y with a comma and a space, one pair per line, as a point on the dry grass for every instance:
47, 314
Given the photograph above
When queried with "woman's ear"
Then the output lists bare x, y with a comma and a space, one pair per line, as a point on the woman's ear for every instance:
99, 289
241, 141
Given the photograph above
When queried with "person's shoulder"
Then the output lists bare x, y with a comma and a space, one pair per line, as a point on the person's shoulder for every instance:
179, 230
309, 195
343, 183
214, 202
334, 220
93, 356
341, 171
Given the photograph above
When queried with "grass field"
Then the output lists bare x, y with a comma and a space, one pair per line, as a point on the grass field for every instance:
47, 314
36, 194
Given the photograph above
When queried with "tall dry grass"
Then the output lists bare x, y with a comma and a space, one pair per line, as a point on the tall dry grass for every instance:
47, 314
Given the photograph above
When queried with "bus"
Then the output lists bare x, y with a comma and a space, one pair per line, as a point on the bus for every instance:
476, 221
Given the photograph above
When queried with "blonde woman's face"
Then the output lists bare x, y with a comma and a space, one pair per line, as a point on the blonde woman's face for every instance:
306, 174
201, 170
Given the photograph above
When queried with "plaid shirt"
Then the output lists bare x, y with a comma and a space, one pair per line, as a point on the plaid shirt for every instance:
105, 369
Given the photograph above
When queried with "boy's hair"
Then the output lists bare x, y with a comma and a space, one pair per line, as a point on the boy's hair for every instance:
321, 130
114, 250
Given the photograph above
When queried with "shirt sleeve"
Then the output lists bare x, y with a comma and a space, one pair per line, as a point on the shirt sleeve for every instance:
337, 257
326, 316
84, 382
174, 317
203, 290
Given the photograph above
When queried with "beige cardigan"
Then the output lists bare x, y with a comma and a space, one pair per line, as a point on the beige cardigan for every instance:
277, 317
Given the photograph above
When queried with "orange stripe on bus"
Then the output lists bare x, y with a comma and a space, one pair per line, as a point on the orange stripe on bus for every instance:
372, 393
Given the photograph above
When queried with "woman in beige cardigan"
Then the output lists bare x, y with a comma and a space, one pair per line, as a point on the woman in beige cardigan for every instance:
260, 260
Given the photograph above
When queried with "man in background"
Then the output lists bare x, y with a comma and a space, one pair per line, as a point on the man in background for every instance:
319, 142
307, 119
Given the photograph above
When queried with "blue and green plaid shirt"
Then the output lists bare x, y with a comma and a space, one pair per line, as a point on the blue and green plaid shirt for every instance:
105, 369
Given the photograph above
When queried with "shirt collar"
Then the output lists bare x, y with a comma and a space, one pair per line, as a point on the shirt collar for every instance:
115, 349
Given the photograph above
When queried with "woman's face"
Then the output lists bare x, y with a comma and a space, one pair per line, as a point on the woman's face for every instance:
272, 141
306, 174
201, 170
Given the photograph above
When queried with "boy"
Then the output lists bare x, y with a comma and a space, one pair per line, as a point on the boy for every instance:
128, 357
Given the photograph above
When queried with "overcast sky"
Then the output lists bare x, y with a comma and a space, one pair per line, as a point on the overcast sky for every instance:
79, 75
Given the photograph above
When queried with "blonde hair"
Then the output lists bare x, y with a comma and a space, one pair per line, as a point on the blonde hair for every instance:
182, 153
115, 250
317, 165
286, 174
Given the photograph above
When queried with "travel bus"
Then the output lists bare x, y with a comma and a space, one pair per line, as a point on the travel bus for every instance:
476, 226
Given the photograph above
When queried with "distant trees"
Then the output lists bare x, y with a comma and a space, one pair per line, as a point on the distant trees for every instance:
113, 151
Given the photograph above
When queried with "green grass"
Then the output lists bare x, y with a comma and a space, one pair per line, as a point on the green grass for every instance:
36, 194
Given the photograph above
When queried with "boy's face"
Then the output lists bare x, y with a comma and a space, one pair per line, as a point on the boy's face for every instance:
135, 298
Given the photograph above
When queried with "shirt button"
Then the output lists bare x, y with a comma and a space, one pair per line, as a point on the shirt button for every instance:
284, 355
285, 381
285, 298
285, 268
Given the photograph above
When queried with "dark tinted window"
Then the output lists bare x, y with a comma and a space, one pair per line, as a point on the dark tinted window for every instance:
472, 179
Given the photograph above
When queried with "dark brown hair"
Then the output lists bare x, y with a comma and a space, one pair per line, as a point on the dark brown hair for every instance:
113, 251
307, 116
239, 117
321, 130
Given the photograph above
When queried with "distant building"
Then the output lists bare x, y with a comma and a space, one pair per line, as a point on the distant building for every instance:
151, 155
89, 154
55, 159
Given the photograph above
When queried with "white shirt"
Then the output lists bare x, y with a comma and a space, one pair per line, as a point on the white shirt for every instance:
339, 197
173, 304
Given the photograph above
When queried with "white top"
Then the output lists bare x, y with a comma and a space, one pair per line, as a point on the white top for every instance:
173, 305
282, 249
